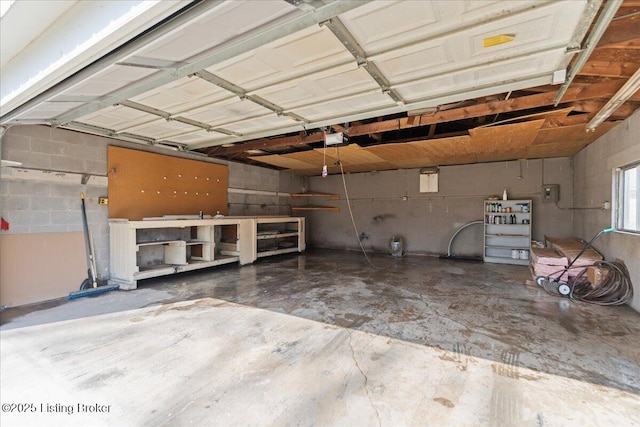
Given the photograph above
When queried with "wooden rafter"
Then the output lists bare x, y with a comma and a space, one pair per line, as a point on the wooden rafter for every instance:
595, 105
493, 107
621, 31
616, 55
609, 69
575, 93
432, 130
266, 143
576, 119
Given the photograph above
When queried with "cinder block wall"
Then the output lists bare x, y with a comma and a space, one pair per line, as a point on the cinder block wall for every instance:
428, 220
50, 207
260, 191
593, 177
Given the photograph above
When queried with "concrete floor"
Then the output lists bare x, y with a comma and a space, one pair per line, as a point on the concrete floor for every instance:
323, 339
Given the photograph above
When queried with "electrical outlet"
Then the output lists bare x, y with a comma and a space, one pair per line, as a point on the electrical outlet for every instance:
103, 201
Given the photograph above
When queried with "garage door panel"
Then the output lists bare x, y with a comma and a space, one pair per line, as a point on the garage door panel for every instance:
267, 122
198, 137
217, 26
162, 129
303, 53
383, 26
183, 95
110, 79
118, 118
346, 106
306, 91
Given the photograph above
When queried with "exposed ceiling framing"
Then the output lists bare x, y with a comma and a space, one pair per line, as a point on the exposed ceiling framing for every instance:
410, 83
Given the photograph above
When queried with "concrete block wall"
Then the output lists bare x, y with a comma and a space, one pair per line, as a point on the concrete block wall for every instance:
593, 182
53, 207
389, 203
268, 190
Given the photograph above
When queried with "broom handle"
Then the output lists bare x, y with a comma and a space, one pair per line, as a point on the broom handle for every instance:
87, 243
94, 269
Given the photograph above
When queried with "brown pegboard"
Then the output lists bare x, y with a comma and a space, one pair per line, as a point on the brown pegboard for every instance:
143, 184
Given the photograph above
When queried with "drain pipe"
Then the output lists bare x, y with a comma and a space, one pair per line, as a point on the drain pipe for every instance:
463, 258
607, 15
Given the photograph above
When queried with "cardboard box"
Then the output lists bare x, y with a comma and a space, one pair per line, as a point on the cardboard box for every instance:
596, 275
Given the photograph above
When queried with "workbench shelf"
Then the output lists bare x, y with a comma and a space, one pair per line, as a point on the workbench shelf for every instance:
507, 231
151, 248
275, 236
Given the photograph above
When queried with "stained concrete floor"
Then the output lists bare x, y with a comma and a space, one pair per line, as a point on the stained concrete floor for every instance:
323, 339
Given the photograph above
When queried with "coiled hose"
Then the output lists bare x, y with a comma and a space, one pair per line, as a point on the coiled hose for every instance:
616, 288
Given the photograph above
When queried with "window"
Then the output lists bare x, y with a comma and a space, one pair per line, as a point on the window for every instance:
628, 200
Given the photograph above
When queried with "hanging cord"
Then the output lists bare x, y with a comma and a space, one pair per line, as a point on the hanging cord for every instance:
324, 157
324, 151
353, 221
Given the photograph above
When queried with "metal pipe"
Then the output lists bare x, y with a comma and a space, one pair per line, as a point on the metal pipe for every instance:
626, 91
608, 13
479, 221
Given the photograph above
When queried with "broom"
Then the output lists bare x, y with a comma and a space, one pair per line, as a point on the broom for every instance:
89, 285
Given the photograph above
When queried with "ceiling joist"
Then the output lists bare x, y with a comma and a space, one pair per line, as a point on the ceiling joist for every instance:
575, 93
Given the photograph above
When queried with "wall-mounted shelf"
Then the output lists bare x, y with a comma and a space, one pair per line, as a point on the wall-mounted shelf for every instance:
315, 207
323, 195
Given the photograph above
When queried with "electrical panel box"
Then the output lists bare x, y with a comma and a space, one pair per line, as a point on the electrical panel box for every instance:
550, 193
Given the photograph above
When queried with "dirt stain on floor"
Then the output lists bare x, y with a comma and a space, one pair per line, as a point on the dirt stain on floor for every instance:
205, 302
444, 402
